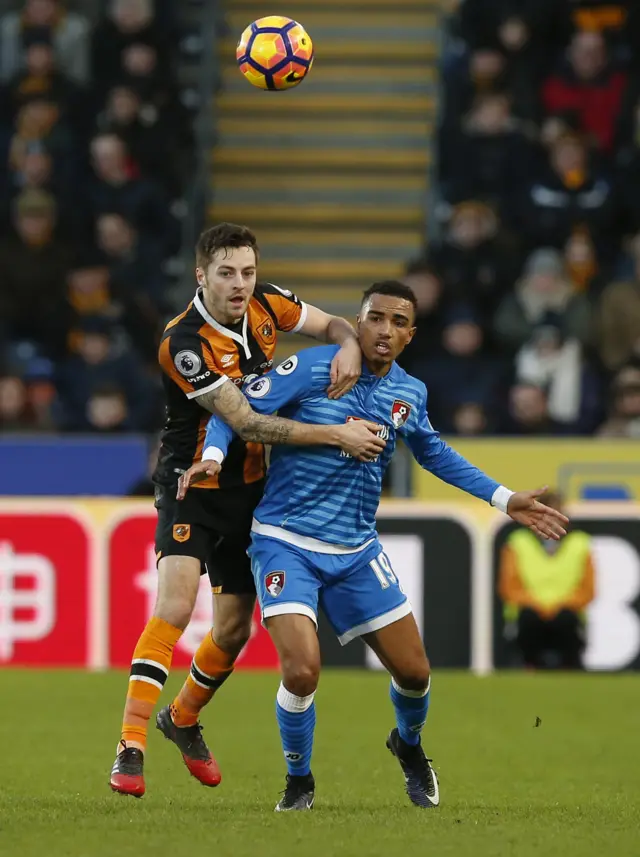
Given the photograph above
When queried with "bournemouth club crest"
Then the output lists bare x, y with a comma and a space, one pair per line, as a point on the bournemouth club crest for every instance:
274, 583
400, 413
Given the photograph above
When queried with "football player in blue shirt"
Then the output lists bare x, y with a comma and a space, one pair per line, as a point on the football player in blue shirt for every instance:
314, 539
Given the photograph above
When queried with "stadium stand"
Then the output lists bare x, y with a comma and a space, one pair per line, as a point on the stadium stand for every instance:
463, 139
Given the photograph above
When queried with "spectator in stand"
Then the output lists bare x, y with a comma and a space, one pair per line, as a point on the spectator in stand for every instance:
117, 186
33, 169
471, 419
463, 372
528, 412
33, 271
93, 291
39, 122
128, 22
569, 192
48, 19
589, 87
556, 363
624, 416
490, 158
41, 78
100, 361
542, 296
619, 318
14, 415
473, 265
581, 262
132, 263
107, 411
427, 287
152, 144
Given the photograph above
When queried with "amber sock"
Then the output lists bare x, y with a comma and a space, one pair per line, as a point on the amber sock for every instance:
210, 668
149, 671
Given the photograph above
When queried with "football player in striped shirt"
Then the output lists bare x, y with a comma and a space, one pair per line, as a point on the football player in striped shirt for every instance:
314, 540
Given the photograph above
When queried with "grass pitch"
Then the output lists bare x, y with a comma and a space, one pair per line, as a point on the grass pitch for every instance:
569, 786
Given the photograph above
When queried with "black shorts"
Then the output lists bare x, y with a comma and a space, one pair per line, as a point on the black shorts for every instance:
214, 526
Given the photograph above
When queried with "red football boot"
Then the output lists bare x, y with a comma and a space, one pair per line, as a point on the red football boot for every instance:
188, 739
127, 777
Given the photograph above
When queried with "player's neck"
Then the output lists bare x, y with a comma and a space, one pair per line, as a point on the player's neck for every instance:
378, 369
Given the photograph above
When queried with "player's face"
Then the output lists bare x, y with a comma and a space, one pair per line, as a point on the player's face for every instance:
385, 328
229, 282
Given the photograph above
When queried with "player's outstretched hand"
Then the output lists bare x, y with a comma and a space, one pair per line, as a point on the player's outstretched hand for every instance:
196, 473
359, 439
345, 369
525, 508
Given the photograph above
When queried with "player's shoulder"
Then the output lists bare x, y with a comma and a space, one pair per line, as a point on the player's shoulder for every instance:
186, 324
315, 360
264, 288
411, 386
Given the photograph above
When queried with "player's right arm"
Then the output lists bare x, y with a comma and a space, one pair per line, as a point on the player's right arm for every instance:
189, 362
289, 382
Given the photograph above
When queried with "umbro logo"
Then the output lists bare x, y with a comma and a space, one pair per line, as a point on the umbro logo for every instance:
227, 359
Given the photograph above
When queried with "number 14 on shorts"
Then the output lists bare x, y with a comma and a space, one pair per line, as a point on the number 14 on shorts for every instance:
382, 569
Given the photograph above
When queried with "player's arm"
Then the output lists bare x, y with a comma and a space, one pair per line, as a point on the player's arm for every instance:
271, 392
293, 315
436, 456
290, 382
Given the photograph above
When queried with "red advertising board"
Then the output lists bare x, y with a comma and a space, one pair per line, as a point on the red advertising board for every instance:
45, 616
132, 589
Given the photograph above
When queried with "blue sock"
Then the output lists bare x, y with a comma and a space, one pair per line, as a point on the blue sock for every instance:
296, 717
411, 708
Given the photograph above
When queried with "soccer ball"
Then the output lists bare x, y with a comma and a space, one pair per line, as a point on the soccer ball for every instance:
275, 53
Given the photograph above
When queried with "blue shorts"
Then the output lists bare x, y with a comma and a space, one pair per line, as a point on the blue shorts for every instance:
358, 592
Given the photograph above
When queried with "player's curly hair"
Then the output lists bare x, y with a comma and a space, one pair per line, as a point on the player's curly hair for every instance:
223, 236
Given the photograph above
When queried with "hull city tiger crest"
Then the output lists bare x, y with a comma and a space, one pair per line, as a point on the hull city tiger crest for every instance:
274, 583
267, 330
400, 413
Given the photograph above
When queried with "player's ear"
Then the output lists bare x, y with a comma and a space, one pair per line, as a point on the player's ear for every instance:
200, 277
411, 333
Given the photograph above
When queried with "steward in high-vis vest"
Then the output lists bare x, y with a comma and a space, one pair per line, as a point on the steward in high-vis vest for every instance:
545, 588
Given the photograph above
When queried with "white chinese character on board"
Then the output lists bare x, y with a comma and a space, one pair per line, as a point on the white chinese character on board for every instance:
38, 598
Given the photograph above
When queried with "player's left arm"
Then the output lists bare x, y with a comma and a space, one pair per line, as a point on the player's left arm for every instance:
295, 316
436, 456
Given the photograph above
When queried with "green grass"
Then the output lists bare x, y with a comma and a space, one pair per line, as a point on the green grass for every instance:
569, 787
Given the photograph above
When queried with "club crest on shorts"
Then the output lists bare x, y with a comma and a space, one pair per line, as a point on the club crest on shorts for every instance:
181, 532
400, 413
274, 583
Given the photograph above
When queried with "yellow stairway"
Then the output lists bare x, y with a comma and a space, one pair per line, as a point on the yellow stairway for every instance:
332, 175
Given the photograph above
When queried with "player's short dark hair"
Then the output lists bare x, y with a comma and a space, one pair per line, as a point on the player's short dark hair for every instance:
394, 289
223, 236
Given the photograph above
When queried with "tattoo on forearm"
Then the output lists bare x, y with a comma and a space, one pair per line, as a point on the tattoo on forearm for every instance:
232, 406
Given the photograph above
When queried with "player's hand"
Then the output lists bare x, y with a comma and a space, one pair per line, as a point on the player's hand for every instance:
359, 439
525, 508
196, 473
345, 369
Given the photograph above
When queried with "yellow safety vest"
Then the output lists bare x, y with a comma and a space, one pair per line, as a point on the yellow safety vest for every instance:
550, 578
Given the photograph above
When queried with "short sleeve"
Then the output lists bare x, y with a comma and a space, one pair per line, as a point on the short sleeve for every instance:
289, 312
187, 360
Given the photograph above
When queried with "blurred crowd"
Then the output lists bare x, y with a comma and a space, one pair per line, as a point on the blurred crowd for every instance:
96, 148
530, 298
